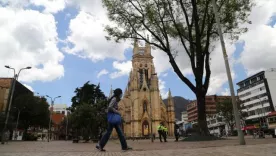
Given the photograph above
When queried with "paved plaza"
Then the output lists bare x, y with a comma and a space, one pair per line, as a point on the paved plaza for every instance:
229, 147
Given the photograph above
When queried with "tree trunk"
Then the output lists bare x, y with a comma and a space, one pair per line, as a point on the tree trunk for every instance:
201, 110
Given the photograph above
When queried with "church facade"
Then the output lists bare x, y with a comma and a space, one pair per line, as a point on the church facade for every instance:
142, 99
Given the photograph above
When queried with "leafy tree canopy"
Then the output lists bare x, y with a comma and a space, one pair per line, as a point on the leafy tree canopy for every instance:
88, 93
225, 109
88, 110
34, 111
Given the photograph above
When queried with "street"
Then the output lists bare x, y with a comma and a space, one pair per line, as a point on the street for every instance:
229, 147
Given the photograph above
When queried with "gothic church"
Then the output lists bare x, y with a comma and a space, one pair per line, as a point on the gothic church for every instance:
142, 98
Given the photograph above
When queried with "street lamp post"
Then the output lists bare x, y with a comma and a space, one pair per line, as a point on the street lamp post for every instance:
50, 120
66, 138
15, 78
66, 128
234, 102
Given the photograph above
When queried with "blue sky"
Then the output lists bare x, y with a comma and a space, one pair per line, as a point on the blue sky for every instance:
78, 70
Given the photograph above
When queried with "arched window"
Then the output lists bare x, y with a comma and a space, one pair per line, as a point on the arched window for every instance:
144, 106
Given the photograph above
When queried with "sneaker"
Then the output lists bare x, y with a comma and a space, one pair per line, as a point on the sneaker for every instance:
127, 149
100, 149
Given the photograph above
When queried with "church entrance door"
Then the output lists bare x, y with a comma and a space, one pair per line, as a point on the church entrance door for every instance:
145, 128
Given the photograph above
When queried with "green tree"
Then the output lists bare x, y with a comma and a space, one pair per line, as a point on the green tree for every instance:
88, 111
188, 22
88, 93
225, 110
34, 112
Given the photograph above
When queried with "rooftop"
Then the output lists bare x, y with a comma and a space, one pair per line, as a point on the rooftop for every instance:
5, 82
255, 75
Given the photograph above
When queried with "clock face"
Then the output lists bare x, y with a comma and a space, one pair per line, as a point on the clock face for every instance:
141, 52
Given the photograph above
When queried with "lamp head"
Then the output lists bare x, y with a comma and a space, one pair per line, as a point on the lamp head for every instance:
28, 67
7, 66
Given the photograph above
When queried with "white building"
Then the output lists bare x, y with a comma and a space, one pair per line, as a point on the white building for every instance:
184, 121
216, 125
60, 108
257, 94
184, 116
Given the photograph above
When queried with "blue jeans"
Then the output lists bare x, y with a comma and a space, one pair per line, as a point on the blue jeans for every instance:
106, 136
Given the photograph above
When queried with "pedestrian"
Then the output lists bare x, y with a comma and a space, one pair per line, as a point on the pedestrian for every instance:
114, 121
160, 131
176, 131
165, 133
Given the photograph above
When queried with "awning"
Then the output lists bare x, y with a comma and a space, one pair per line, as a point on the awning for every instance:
250, 127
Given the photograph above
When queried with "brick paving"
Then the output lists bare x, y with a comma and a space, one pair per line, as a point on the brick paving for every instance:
229, 147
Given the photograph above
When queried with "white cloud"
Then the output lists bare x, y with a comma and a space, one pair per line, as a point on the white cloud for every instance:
162, 89
29, 38
15, 3
87, 39
49, 6
123, 69
218, 70
226, 92
102, 72
93, 7
29, 87
162, 63
260, 41
165, 75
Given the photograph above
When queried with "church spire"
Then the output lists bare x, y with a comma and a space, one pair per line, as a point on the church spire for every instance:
148, 47
170, 101
170, 94
136, 47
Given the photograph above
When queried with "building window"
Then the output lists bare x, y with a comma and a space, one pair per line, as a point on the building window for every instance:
141, 52
141, 77
144, 106
254, 80
267, 109
63, 112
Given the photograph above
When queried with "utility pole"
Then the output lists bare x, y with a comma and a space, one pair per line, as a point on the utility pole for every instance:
51, 111
234, 102
66, 128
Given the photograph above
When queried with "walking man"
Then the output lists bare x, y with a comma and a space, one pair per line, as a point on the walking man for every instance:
160, 130
176, 131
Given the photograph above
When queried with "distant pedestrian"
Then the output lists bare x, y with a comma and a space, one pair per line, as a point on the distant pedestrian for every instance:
160, 130
165, 133
176, 131
114, 121
6, 136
